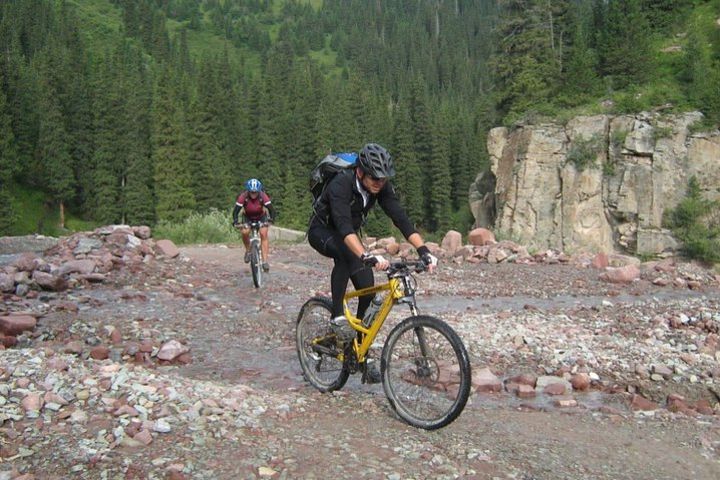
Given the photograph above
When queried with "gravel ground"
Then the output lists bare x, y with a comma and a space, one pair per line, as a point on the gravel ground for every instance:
236, 406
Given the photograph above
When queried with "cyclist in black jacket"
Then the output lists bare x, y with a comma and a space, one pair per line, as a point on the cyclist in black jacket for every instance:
341, 211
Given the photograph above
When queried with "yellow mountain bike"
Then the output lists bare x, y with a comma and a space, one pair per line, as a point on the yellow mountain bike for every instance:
424, 365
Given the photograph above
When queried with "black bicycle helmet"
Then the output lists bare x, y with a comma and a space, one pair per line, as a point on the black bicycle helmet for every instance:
376, 161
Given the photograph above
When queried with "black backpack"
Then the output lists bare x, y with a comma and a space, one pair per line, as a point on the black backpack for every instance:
325, 171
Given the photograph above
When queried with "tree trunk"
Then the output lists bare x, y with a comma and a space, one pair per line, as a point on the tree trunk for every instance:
62, 214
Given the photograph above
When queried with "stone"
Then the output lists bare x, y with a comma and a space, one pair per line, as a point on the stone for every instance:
27, 262
172, 349
47, 281
481, 236
144, 437
601, 261
554, 389
16, 324
485, 381
638, 402
7, 283
143, 232
580, 381
167, 248
451, 242
621, 275
100, 352
32, 402
77, 266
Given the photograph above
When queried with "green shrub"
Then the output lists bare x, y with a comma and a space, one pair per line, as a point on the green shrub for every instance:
583, 152
661, 132
212, 227
617, 138
695, 223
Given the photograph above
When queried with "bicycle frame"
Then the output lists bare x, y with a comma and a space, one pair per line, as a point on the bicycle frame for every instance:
399, 292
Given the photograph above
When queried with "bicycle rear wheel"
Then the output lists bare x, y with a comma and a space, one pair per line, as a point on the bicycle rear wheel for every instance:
255, 264
318, 349
425, 372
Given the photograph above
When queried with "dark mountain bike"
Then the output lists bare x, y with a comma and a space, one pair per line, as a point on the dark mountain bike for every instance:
255, 253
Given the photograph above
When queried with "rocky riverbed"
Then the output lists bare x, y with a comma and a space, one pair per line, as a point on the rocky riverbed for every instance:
131, 358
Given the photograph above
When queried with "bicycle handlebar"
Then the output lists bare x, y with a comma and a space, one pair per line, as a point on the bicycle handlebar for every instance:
418, 266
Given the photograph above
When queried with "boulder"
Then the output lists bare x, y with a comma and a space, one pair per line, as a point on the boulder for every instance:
451, 242
47, 281
16, 324
167, 248
481, 236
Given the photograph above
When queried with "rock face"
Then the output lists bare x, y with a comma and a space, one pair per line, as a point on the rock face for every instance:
600, 183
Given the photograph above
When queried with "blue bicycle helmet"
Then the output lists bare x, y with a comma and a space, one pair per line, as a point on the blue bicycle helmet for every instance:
253, 185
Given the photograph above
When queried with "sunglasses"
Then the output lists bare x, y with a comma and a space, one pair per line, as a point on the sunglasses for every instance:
376, 179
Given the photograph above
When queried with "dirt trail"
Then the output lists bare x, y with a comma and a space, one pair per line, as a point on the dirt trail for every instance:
496, 437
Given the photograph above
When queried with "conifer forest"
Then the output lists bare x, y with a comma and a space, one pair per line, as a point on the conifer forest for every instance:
145, 111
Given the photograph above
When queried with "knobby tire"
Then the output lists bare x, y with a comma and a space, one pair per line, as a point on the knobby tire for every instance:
317, 346
255, 265
425, 372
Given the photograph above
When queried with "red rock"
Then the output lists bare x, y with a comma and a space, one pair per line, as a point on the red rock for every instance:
16, 324
524, 379
184, 359
27, 262
486, 381
171, 349
451, 242
639, 402
116, 336
481, 236
580, 381
703, 407
144, 437
47, 281
554, 389
601, 261
7, 341
522, 391
565, 402
32, 402
167, 248
77, 266
100, 352
626, 274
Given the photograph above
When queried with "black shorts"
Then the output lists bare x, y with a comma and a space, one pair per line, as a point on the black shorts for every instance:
329, 243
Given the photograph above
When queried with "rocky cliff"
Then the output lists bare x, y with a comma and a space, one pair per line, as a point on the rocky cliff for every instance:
599, 183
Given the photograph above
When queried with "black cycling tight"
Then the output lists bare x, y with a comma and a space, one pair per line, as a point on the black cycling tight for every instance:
347, 267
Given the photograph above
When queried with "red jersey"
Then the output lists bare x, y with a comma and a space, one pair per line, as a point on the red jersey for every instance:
254, 207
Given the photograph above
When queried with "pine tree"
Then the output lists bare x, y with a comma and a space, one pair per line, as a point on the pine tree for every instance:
8, 165
440, 179
422, 138
624, 47
581, 78
528, 61
139, 207
107, 162
204, 159
702, 76
173, 190
54, 153
409, 179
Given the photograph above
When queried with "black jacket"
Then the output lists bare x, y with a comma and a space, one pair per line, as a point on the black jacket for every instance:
341, 206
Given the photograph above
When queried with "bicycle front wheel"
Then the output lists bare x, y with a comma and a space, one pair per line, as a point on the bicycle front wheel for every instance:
319, 352
425, 372
255, 265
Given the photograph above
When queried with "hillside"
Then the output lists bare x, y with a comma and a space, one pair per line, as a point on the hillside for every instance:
118, 111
